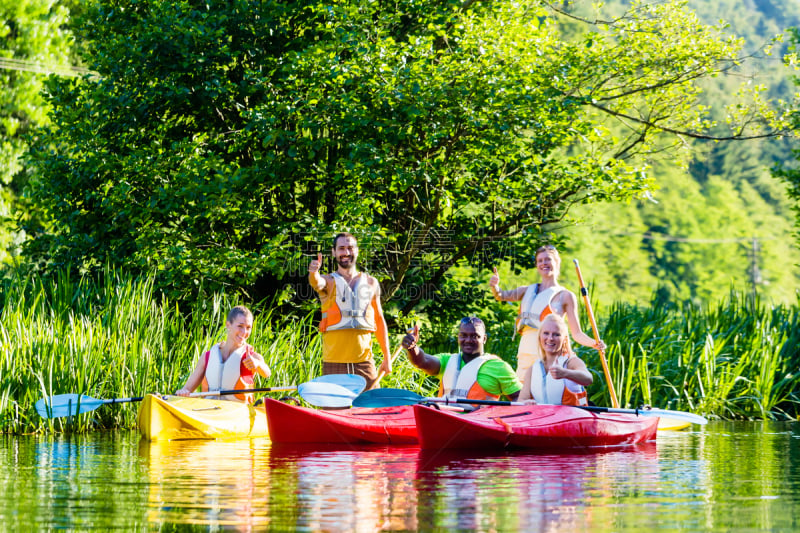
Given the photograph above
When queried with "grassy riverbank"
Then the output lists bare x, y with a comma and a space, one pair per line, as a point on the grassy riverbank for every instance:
116, 339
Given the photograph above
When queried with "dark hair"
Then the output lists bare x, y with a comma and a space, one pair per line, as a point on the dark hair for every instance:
475, 321
236, 311
343, 234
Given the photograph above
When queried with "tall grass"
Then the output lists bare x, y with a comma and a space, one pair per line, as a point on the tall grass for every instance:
737, 359
116, 339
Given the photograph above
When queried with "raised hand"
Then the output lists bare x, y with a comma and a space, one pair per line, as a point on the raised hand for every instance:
411, 338
494, 281
315, 265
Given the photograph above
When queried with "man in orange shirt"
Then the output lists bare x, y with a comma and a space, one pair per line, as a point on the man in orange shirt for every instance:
351, 313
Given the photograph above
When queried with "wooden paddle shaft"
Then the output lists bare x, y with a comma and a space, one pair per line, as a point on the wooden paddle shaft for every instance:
607, 373
393, 357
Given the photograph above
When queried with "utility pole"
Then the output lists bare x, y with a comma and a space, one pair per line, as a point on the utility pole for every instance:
755, 273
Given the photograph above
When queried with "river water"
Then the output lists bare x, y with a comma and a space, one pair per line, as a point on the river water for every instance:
726, 476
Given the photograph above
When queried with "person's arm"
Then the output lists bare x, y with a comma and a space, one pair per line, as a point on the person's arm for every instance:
525, 392
318, 282
571, 309
576, 371
513, 295
195, 378
382, 331
255, 362
417, 356
499, 379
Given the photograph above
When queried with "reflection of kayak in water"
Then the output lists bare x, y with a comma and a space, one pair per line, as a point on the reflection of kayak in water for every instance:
430, 460
206, 484
530, 426
672, 424
301, 425
176, 417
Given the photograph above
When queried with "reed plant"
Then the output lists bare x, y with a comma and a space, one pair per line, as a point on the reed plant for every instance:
116, 338
736, 359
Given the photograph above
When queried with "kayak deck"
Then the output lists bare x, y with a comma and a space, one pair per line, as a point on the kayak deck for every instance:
535, 427
360, 425
177, 417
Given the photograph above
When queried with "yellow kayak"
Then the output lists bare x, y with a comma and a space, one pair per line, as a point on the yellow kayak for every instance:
177, 417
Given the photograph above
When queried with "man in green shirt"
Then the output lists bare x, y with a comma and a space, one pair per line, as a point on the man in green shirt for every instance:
471, 373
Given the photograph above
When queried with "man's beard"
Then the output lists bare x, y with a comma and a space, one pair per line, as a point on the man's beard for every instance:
344, 262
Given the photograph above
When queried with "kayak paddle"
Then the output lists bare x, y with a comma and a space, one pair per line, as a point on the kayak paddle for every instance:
61, 405
397, 397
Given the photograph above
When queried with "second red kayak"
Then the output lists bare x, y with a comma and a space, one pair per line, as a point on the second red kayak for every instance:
535, 426
301, 425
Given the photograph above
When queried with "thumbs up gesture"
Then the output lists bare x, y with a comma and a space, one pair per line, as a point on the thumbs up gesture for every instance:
494, 281
411, 338
315, 265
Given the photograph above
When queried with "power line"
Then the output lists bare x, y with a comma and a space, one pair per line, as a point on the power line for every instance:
672, 238
9, 63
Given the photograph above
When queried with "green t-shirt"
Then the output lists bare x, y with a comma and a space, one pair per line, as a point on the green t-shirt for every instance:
495, 375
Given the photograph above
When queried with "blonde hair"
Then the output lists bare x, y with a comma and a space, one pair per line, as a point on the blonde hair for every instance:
566, 347
550, 249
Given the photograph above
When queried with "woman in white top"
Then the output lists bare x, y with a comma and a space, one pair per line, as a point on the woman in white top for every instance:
560, 376
539, 300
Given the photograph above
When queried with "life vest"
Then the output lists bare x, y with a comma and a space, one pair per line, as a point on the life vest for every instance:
351, 308
548, 390
230, 375
463, 382
535, 306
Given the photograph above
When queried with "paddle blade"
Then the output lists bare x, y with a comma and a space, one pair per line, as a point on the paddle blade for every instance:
66, 405
323, 394
352, 382
386, 398
680, 415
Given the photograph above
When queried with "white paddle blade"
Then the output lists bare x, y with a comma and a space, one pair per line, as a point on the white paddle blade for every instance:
325, 394
680, 415
352, 382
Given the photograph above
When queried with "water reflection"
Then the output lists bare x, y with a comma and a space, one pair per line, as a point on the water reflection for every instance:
735, 476
207, 482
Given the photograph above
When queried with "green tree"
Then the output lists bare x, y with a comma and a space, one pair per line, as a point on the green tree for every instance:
223, 142
33, 44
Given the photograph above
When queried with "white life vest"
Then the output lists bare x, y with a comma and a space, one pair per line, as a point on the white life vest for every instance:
457, 382
548, 390
535, 306
351, 308
223, 376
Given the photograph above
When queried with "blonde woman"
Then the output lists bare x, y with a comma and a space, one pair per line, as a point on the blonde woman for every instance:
560, 376
538, 301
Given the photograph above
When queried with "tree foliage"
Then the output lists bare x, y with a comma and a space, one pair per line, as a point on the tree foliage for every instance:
33, 44
224, 142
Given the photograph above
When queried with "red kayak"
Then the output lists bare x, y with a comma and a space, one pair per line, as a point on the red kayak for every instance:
361, 425
531, 426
